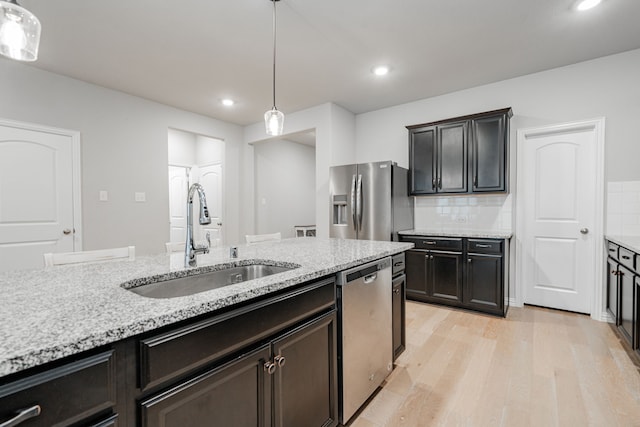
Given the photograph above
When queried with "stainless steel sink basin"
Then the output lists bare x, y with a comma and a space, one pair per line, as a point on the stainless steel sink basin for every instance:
196, 283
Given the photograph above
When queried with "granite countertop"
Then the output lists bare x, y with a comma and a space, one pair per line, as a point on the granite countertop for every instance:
629, 242
459, 232
50, 313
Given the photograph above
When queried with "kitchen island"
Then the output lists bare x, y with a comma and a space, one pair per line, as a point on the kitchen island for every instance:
59, 314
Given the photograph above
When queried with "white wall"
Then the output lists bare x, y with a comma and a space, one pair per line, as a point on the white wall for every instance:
285, 186
124, 150
335, 144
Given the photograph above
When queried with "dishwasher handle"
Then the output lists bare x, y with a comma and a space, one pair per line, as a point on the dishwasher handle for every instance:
370, 278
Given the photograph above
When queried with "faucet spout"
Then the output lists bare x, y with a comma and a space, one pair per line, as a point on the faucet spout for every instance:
191, 249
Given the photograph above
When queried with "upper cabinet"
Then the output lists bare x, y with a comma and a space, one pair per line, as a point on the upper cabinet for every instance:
467, 154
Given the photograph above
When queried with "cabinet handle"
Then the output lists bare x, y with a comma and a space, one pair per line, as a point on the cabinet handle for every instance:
469, 260
279, 360
475, 181
478, 245
440, 183
398, 264
433, 184
625, 257
23, 415
612, 250
270, 367
396, 291
428, 242
430, 256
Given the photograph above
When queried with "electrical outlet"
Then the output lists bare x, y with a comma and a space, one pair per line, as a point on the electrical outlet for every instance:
140, 197
461, 219
103, 196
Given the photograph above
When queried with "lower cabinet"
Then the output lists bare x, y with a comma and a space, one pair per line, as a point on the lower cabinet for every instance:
623, 292
484, 283
290, 381
460, 272
76, 393
398, 314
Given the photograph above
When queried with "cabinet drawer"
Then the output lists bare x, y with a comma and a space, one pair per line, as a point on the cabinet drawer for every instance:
397, 264
185, 349
485, 246
627, 258
64, 395
613, 250
437, 243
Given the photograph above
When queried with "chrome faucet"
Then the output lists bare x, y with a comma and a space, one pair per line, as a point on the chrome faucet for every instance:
191, 249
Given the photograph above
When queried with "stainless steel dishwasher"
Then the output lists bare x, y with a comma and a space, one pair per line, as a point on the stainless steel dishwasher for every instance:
365, 338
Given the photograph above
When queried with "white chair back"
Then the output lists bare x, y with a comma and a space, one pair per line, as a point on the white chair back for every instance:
174, 247
260, 238
58, 258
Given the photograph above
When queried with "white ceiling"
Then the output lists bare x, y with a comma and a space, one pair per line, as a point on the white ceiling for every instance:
192, 53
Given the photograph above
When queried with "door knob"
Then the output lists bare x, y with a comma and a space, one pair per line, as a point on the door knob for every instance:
584, 230
66, 231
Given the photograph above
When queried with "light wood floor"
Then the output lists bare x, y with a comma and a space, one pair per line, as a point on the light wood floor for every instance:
537, 367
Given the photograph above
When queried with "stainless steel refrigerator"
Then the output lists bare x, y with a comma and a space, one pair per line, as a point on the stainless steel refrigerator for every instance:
369, 201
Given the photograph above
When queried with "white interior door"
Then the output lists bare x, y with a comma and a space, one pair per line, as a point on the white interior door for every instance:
211, 181
178, 189
557, 191
36, 196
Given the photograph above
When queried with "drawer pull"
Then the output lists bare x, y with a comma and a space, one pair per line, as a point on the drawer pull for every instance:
279, 360
24, 415
428, 242
398, 264
396, 291
270, 367
612, 250
478, 245
626, 257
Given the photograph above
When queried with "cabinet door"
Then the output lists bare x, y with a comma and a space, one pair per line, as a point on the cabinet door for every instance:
484, 283
416, 271
305, 384
489, 154
422, 164
627, 282
398, 315
452, 158
612, 289
444, 277
235, 394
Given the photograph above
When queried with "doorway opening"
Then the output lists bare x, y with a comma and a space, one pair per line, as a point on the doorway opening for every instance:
195, 158
285, 184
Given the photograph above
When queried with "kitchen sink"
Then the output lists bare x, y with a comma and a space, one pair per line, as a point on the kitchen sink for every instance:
206, 281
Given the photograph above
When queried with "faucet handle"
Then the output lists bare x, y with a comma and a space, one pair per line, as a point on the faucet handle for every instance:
209, 238
233, 252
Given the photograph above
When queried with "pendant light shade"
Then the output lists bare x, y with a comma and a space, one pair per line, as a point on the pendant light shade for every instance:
274, 119
19, 32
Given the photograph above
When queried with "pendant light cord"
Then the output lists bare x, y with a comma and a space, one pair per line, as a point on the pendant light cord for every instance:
274, 54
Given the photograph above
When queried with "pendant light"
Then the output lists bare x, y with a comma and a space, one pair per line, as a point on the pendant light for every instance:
19, 32
274, 119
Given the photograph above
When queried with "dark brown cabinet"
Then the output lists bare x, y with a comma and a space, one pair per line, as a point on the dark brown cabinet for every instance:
398, 314
468, 154
623, 294
73, 393
237, 393
460, 272
289, 381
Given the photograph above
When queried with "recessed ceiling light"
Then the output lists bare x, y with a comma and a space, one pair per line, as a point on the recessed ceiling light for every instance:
227, 102
587, 4
381, 70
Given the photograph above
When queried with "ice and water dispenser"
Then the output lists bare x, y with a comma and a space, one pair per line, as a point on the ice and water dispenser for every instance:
339, 209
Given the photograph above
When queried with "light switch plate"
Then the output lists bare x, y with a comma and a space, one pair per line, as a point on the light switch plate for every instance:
104, 196
140, 197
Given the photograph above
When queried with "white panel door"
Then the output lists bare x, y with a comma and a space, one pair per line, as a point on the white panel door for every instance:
211, 181
178, 189
558, 194
36, 196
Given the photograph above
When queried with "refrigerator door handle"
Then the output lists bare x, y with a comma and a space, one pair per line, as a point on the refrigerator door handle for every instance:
354, 206
359, 203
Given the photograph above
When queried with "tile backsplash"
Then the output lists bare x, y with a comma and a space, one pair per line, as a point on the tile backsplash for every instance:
623, 208
484, 212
